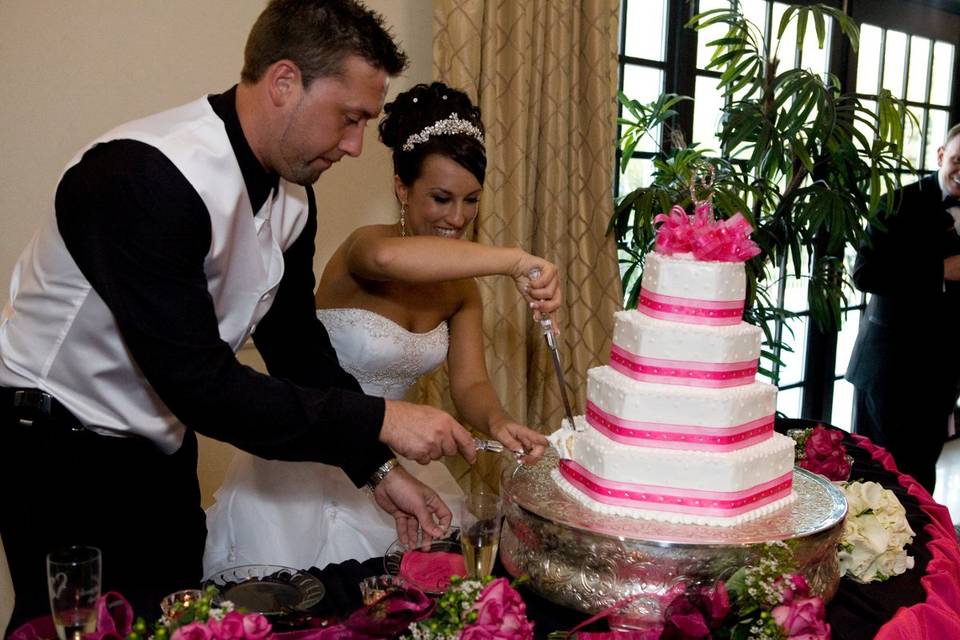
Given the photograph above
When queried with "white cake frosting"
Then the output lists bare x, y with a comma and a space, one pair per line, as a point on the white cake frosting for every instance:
695, 470
677, 428
628, 399
667, 516
683, 277
649, 337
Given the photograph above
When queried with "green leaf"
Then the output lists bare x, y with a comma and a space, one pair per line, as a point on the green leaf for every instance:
783, 129
785, 20
799, 150
820, 25
801, 27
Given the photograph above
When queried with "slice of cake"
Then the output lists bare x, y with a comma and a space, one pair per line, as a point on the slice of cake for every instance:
676, 427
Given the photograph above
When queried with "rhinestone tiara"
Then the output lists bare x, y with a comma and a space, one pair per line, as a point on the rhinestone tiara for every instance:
450, 126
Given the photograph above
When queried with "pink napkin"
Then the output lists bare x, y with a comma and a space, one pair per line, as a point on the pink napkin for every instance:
431, 571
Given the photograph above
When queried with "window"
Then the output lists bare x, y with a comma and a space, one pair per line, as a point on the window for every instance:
914, 68
643, 45
906, 46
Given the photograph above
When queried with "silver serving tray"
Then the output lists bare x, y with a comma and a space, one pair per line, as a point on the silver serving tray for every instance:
589, 561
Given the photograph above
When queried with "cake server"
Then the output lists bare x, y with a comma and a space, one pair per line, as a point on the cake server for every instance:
546, 324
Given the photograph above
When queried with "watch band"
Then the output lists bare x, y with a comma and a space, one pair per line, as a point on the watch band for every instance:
381, 473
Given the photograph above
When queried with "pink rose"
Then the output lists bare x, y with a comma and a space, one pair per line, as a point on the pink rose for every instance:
256, 626
824, 454
229, 628
192, 631
501, 613
794, 587
719, 601
822, 442
803, 619
696, 612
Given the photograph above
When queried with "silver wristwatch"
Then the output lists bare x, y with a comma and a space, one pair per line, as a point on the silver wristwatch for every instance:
381, 473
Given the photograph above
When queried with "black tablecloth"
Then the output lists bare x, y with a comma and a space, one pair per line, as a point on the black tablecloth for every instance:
856, 612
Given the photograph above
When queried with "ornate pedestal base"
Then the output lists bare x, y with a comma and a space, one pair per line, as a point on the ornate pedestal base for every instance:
589, 561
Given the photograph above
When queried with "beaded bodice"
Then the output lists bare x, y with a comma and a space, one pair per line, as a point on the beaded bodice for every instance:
384, 357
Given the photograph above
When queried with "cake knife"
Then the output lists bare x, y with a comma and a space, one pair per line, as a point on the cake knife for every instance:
494, 446
546, 324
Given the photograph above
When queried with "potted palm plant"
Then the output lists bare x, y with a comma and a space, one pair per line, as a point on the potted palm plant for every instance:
806, 164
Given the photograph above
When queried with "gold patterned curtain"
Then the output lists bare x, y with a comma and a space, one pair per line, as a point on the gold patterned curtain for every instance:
545, 75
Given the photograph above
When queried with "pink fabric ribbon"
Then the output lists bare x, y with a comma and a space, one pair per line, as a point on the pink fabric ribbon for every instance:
671, 499
690, 310
388, 617
704, 236
677, 436
652, 632
687, 373
939, 615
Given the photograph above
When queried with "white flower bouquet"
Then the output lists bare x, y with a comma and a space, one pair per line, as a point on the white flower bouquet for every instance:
874, 535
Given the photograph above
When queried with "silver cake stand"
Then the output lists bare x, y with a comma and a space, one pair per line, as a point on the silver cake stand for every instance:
589, 561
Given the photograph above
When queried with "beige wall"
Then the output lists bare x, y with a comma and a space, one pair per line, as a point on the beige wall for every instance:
72, 69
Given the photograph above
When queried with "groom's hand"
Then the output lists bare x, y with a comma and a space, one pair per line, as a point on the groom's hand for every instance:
423, 433
413, 505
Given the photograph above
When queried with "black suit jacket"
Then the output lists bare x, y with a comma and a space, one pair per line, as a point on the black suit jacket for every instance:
907, 333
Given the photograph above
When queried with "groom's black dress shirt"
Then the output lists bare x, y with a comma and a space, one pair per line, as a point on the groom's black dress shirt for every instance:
140, 232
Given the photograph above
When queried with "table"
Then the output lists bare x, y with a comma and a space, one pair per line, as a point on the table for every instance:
922, 603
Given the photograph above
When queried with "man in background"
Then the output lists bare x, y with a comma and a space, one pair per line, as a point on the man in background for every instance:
905, 364
172, 240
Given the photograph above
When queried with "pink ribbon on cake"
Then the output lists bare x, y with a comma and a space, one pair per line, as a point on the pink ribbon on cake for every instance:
672, 499
690, 310
688, 373
675, 436
704, 236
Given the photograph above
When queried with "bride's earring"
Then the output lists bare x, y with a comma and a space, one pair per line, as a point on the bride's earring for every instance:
403, 219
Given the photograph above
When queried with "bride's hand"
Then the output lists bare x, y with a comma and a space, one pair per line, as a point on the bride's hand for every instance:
541, 291
516, 437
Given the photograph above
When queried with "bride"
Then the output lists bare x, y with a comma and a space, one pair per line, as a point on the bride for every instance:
397, 300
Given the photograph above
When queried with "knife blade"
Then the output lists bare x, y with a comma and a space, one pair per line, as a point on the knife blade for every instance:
546, 324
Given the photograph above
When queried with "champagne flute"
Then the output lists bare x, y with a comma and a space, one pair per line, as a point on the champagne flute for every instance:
480, 518
73, 582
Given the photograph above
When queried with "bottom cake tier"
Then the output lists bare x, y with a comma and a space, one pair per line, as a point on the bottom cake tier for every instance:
589, 561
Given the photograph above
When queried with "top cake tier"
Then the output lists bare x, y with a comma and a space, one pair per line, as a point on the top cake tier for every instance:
682, 289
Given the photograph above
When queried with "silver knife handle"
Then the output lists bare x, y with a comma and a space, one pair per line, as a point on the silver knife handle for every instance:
488, 445
545, 323
494, 446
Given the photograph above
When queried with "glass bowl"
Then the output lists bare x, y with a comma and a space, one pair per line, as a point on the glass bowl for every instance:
268, 589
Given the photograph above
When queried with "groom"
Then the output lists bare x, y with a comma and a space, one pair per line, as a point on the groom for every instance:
172, 240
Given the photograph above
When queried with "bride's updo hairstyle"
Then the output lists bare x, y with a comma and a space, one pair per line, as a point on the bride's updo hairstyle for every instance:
434, 118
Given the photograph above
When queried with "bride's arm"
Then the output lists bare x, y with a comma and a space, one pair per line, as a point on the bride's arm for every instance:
372, 255
470, 385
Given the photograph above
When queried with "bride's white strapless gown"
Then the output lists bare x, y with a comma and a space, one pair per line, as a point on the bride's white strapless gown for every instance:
307, 514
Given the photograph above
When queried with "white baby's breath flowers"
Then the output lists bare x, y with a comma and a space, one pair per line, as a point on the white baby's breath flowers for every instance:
874, 535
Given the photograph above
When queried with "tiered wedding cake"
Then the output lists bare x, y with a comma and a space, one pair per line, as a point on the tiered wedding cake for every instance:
676, 426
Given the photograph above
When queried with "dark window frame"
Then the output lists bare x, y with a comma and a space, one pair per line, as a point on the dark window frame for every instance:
914, 17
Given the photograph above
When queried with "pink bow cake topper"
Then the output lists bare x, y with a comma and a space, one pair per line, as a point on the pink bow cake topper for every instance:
704, 236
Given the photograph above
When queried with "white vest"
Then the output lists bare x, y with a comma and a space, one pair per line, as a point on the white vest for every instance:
56, 333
